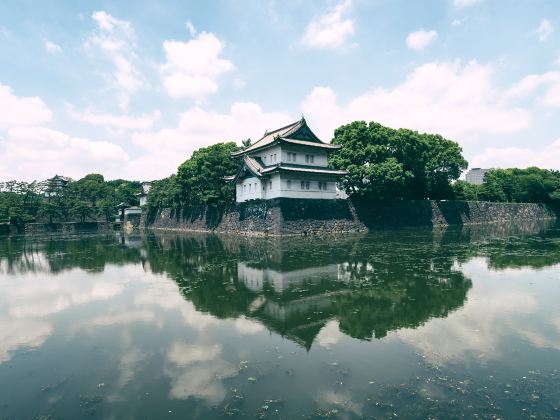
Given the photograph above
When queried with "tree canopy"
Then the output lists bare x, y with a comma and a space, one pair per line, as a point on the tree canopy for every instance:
387, 163
531, 185
199, 180
89, 198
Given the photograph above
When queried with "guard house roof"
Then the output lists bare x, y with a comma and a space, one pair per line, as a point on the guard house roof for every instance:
295, 133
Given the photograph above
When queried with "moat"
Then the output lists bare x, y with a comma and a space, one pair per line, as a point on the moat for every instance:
415, 323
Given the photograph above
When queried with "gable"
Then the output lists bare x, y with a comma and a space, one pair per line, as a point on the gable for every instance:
304, 133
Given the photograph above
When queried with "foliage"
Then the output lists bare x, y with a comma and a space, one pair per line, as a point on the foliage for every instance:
466, 191
164, 193
19, 201
81, 209
386, 163
201, 178
531, 185
89, 197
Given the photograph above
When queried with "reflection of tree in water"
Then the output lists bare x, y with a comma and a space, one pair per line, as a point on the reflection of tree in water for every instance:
204, 271
372, 284
59, 253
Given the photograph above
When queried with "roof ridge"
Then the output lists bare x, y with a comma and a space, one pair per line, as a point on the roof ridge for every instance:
282, 128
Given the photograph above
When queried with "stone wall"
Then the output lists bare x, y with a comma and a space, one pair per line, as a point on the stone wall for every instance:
286, 216
410, 213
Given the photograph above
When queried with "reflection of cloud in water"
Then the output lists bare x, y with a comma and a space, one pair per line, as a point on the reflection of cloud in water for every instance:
31, 296
341, 401
330, 334
128, 365
479, 328
21, 333
245, 326
165, 294
28, 300
123, 317
197, 371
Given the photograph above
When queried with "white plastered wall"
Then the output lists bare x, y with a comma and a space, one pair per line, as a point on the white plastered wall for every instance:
248, 189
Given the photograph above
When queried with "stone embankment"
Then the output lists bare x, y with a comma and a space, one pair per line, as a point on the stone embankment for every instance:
296, 216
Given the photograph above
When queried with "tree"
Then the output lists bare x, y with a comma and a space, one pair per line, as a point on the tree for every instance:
50, 210
80, 209
201, 178
531, 185
466, 191
90, 188
386, 163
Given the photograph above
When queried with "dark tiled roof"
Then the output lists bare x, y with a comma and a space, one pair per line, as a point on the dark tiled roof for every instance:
289, 134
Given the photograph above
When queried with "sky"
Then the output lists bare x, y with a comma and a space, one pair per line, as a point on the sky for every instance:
130, 89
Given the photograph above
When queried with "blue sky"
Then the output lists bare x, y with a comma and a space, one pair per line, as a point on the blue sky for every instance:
130, 89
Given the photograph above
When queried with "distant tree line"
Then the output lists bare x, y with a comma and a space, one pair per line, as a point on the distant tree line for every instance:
89, 198
531, 185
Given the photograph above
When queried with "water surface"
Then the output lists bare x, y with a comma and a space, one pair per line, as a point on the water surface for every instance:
412, 323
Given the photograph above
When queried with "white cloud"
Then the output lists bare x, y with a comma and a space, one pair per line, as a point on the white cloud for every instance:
114, 38
167, 148
519, 157
52, 47
331, 29
458, 22
141, 122
420, 39
21, 111
544, 30
465, 3
454, 99
193, 67
39, 153
532, 82
190, 27
239, 83
108, 23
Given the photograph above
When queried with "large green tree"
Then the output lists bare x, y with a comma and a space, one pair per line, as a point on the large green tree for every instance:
386, 163
201, 178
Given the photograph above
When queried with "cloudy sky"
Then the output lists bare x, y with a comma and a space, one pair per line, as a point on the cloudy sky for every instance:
129, 89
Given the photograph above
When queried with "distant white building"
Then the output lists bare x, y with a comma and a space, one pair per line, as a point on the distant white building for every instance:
288, 162
476, 176
143, 196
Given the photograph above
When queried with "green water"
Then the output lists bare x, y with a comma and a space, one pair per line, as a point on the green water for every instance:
408, 324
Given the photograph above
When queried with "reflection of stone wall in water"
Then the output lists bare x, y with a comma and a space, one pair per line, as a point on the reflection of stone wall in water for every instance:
294, 216
56, 227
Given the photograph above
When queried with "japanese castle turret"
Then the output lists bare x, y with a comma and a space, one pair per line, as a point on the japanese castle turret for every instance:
288, 162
